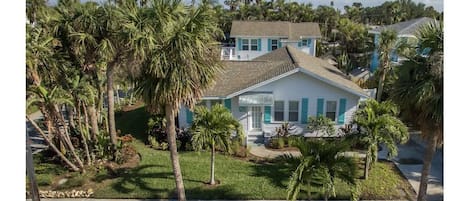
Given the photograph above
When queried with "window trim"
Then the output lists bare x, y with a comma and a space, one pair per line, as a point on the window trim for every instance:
297, 111
243, 44
272, 45
335, 120
255, 44
274, 120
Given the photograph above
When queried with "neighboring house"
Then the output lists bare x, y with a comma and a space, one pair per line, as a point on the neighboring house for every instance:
406, 31
285, 85
256, 38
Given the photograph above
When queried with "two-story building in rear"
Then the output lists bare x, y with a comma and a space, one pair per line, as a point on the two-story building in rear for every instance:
256, 38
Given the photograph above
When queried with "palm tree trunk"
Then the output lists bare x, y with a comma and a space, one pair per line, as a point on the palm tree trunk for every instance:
70, 117
67, 139
82, 133
54, 148
427, 163
87, 125
382, 77
367, 165
30, 171
94, 122
212, 165
110, 108
171, 131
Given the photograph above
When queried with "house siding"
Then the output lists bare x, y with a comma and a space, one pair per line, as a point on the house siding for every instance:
294, 87
249, 55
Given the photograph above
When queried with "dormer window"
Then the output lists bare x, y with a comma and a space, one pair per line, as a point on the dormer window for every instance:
274, 44
253, 44
245, 45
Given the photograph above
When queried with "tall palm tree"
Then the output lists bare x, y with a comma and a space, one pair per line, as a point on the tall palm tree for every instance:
419, 92
181, 67
379, 124
320, 163
214, 128
387, 42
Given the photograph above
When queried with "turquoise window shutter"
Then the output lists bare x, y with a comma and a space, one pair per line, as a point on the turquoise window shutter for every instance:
269, 44
320, 107
304, 110
240, 43
342, 104
228, 104
189, 115
299, 44
267, 116
259, 44
279, 44
309, 42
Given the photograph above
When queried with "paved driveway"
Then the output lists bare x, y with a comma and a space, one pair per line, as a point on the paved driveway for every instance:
414, 149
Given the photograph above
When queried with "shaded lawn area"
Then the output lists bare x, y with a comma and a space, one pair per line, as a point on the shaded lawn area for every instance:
240, 178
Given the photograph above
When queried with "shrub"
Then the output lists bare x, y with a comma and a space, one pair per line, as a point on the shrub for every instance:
281, 143
153, 143
157, 131
291, 140
238, 149
43, 179
274, 143
126, 153
73, 182
164, 146
283, 130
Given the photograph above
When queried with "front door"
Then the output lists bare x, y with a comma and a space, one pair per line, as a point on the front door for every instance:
256, 118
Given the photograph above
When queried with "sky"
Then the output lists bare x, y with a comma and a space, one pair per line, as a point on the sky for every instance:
437, 4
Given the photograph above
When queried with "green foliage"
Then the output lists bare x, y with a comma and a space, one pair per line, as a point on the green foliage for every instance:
355, 192
281, 142
379, 124
283, 130
73, 182
318, 166
164, 146
321, 125
214, 128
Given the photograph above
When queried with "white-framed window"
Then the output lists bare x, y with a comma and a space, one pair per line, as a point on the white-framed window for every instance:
331, 110
304, 43
279, 110
293, 110
254, 45
274, 44
245, 44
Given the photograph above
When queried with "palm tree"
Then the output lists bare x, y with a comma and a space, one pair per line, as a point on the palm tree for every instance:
419, 92
181, 67
48, 101
379, 124
320, 163
387, 42
213, 129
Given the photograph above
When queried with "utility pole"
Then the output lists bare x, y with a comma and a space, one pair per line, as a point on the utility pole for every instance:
34, 191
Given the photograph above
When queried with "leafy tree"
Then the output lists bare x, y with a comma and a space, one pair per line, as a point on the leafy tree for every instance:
378, 124
214, 129
182, 65
419, 93
319, 164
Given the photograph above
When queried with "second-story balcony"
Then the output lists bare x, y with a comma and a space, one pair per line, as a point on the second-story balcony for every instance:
228, 53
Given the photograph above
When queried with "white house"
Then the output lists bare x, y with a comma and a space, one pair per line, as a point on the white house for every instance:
286, 84
256, 38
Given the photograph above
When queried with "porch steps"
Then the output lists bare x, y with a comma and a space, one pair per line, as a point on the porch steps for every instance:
255, 138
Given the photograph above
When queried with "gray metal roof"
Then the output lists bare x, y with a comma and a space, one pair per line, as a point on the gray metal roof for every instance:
409, 27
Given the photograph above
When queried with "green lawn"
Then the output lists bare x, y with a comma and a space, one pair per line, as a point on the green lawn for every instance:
240, 179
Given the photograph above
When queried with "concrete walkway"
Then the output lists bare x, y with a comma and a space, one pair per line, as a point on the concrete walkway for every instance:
259, 150
414, 149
